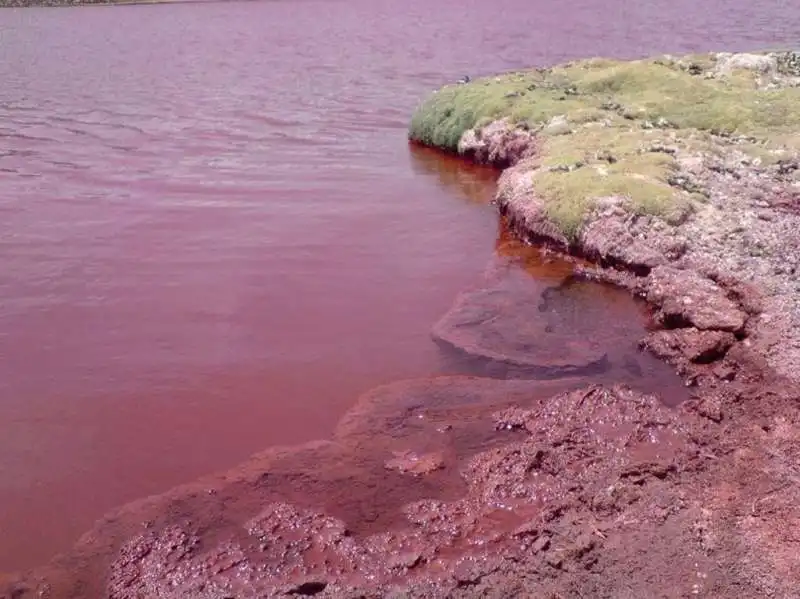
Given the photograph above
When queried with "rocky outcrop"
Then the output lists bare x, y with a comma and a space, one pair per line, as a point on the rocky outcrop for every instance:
686, 298
499, 144
690, 344
743, 224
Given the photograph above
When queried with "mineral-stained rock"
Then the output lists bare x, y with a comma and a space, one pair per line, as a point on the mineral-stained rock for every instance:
500, 144
410, 462
710, 406
686, 298
610, 240
614, 237
690, 344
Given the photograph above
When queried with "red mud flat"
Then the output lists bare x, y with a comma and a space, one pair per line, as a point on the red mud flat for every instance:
467, 486
477, 487
351, 478
597, 491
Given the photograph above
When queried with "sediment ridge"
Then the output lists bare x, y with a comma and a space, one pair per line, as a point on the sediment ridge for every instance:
547, 488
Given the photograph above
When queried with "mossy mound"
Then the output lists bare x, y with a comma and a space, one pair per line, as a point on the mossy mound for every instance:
609, 127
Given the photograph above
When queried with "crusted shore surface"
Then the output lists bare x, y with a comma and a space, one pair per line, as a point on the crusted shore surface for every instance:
477, 487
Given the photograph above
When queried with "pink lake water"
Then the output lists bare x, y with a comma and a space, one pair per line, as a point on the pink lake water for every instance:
213, 234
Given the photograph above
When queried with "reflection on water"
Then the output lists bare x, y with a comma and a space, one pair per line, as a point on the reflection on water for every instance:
472, 182
542, 264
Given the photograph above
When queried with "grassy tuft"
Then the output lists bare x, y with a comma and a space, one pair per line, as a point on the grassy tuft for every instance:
643, 179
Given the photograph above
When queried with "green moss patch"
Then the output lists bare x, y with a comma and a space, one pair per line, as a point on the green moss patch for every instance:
644, 179
621, 119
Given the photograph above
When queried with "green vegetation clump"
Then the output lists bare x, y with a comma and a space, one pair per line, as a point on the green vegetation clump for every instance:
643, 178
619, 126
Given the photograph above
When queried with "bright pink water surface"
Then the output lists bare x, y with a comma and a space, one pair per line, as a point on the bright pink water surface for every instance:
213, 234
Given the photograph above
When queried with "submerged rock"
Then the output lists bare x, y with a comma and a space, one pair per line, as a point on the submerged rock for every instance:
506, 323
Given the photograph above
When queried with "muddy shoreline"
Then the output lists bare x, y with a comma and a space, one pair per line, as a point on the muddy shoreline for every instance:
541, 489
68, 3
518, 487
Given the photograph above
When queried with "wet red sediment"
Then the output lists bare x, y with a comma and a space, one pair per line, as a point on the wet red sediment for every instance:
198, 545
592, 491
503, 324
559, 321
345, 477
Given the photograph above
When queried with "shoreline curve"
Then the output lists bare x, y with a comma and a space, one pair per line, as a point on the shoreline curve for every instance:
594, 489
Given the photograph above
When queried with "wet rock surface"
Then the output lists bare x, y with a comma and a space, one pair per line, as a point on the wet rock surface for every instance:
506, 324
693, 345
686, 298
